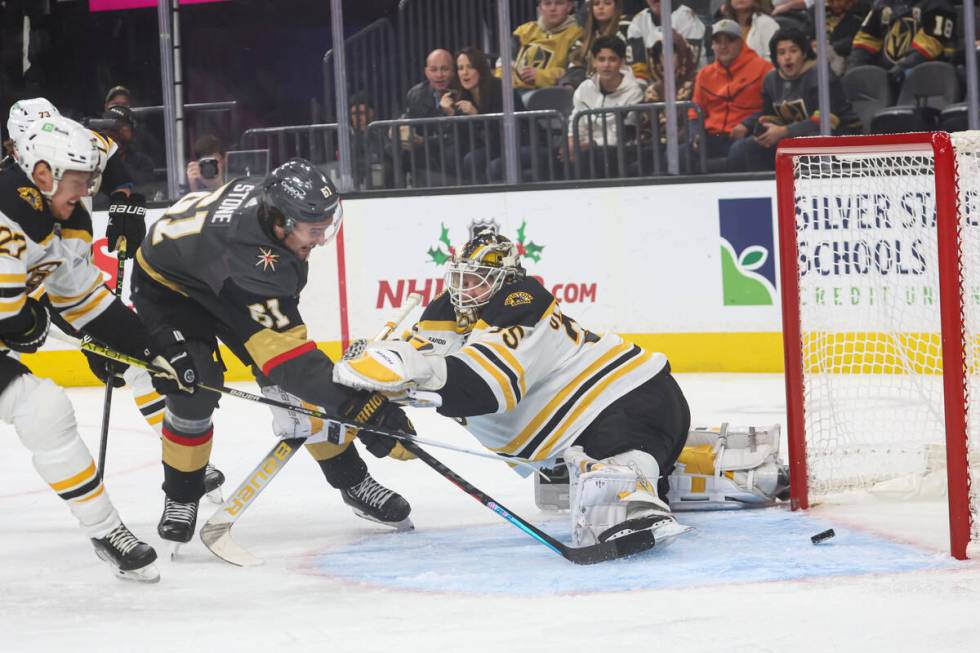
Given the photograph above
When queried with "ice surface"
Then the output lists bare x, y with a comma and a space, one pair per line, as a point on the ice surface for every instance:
465, 580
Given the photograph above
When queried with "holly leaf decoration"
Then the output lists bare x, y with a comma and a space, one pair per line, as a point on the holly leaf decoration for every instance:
438, 256
533, 251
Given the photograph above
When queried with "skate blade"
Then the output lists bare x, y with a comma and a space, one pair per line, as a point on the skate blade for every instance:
215, 497
175, 550
147, 574
400, 526
667, 533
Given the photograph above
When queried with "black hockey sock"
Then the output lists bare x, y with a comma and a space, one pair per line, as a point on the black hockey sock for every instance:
344, 470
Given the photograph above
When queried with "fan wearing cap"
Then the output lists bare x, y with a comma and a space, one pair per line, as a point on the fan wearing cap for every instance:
528, 381
229, 266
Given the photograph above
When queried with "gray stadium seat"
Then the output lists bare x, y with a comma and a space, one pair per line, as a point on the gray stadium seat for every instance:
954, 118
558, 98
868, 91
928, 89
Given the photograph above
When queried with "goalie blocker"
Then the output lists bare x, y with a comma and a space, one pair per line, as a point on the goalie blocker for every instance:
725, 468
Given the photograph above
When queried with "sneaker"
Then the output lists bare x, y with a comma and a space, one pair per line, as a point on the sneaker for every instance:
178, 521
131, 558
373, 501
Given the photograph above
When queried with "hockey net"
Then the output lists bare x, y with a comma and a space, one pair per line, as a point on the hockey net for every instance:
881, 316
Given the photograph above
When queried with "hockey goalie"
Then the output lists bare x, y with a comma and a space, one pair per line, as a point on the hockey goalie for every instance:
530, 383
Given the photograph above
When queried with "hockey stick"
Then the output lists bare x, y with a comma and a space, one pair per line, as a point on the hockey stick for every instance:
107, 403
216, 532
627, 545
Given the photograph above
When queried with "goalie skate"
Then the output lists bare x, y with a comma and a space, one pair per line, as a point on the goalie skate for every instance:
130, 558
374, 502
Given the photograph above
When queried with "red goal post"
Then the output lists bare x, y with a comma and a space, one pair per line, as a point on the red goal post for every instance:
867, 352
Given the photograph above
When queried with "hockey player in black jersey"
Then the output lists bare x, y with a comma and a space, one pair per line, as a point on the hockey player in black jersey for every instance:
45, 245
230, 265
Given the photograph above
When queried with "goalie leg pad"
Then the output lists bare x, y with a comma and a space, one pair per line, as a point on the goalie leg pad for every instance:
290, 424
614, 496
44, 420
728, 468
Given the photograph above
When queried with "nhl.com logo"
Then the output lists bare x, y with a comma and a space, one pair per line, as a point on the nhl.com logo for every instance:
392, 292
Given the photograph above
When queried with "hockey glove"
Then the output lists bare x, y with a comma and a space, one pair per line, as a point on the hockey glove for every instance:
177, 372
105, 370
374, 410
28, 341
127, 215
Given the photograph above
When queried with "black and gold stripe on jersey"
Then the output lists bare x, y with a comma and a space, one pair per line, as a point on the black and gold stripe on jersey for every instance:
502, 366
541, 435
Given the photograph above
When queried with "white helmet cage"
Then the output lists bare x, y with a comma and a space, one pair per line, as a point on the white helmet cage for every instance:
63, 145
480, 269
24, 112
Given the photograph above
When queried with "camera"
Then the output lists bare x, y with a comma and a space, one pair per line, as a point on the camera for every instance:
208, 167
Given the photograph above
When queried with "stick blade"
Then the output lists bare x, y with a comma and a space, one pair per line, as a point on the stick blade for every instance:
217, 538
621, 547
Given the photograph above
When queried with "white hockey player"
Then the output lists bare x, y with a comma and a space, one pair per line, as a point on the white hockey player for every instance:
126, 218
529, 382
45, 238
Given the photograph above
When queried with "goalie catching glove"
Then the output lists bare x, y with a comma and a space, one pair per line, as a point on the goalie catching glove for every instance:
392, 367
375, 410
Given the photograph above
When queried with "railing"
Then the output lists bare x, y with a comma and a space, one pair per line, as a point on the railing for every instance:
466, 150
372, 68
317, 143
637, 147
222, 119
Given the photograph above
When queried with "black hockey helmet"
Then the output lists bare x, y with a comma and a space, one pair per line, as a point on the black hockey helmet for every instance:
299, 192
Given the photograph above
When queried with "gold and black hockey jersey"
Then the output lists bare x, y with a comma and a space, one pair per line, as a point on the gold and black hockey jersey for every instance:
895, 30
527, 378
211, 248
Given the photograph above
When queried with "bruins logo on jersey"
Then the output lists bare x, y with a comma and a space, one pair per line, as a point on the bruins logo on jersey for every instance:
32, 197
37, 274
518, 298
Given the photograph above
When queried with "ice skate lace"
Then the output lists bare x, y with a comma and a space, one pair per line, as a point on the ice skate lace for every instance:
122, 540
180, 512
371, 492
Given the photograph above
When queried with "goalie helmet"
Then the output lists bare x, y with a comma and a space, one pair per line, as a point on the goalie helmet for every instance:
481, 268
25, 112
299, 192
63, 145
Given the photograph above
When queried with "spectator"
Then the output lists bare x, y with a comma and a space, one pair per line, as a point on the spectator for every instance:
757, 26
477, 91
897, 35
729, 91
207, 170
844, 18
123, 132
367, 147
644, 33
611, 85
790, 103
118, 96
542, 47
685, 71
422, 101
605, 18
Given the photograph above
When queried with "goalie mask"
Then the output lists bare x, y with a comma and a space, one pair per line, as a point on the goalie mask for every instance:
297, 191
63, 145
485, 264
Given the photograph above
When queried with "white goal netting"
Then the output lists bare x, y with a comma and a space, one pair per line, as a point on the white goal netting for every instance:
869, 308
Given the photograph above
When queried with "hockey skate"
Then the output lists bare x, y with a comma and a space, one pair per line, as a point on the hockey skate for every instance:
177, 523
213, 480
130, 558
373, 501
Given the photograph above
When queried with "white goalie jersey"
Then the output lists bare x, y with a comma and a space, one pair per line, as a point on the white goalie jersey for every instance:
527, 378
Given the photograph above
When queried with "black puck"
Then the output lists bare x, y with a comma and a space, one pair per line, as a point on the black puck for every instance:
825, 535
